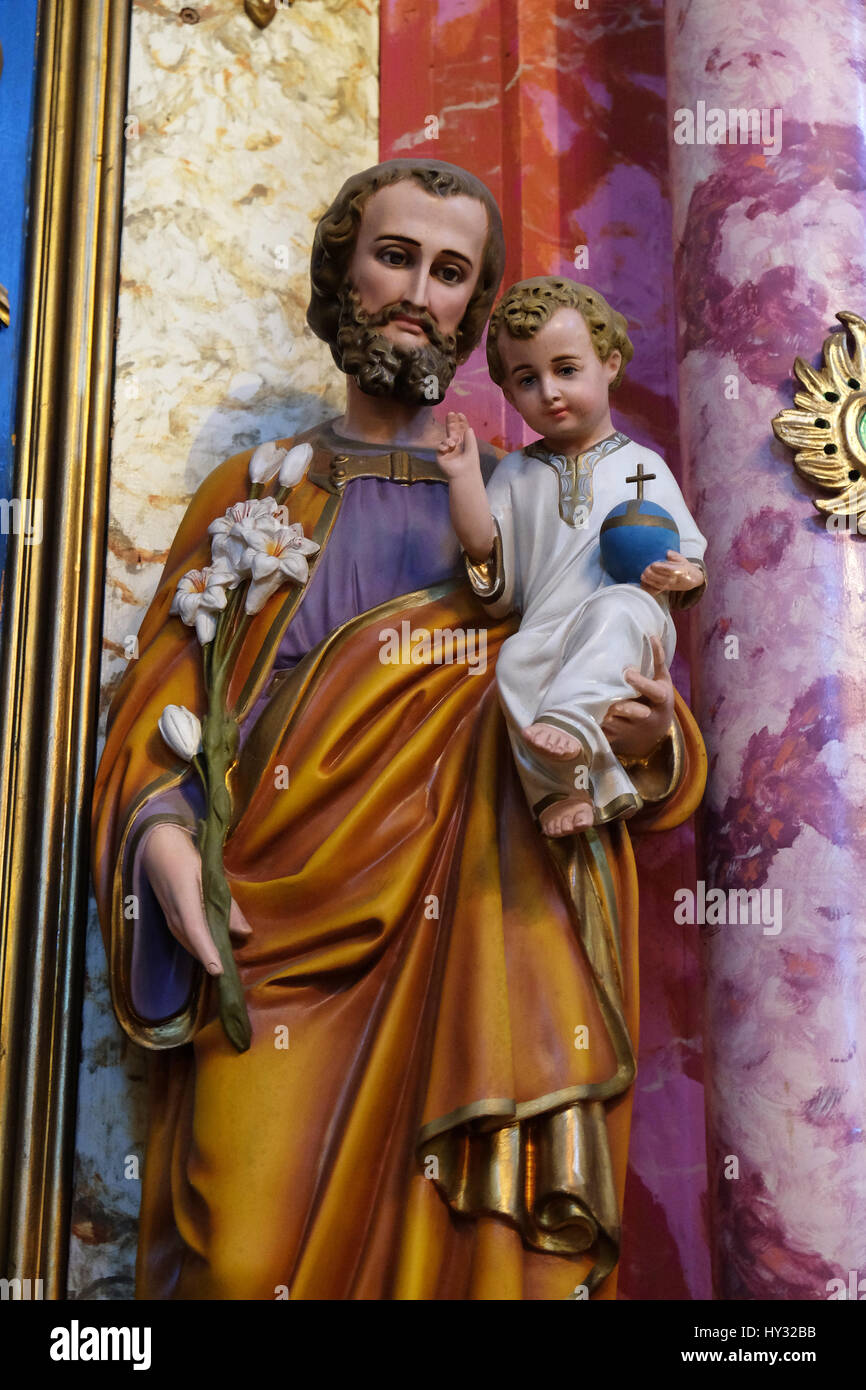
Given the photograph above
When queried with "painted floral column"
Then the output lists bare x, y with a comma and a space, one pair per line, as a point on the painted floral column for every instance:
768, 171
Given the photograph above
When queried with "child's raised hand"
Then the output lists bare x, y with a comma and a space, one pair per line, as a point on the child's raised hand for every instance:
458, 452
675, 573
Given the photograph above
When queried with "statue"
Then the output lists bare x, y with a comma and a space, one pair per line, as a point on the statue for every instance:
435, 1101
541, 540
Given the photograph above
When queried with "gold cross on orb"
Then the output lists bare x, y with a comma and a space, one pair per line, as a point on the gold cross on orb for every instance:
640, 477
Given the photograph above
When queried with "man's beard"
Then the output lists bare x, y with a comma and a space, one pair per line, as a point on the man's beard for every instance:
416, 376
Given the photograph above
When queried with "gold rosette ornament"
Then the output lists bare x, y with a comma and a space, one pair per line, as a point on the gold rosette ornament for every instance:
255, 549
827, 427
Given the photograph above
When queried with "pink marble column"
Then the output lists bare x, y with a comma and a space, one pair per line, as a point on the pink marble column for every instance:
770, 242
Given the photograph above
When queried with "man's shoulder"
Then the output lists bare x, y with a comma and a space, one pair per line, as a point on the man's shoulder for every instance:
237, 465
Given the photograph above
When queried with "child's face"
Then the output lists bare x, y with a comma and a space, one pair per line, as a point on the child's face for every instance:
556, 382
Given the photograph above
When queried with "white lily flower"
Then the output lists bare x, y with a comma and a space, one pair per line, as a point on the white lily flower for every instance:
231, 532
181, 730
275, 558
296, 464
266, 461
200, 595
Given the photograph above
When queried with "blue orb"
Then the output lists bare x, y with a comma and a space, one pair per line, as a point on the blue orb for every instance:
635, 534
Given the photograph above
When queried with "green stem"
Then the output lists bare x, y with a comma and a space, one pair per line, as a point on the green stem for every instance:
219, 749
236, 640
220, 737
207, 662
200, 765
225, 624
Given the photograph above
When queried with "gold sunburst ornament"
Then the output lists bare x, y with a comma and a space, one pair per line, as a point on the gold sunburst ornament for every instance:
827, 427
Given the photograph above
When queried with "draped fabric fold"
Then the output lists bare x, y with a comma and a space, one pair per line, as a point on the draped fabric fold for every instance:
444, 1005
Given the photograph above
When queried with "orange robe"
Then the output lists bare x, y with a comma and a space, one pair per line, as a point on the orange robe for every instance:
444, 1005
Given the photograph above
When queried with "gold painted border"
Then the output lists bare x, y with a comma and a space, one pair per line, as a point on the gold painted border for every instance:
53, 617
182, 1026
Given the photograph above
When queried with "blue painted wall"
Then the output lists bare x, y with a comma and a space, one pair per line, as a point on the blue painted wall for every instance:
17, 94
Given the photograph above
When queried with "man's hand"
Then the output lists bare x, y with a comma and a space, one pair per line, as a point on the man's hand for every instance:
634, 727
458, 452
674, 574
173, 866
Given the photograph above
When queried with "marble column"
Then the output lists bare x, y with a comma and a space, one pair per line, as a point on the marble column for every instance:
770, 243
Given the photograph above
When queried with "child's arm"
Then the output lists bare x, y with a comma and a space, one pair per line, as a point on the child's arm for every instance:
470, 511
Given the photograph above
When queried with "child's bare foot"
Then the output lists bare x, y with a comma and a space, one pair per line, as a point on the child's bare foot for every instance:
567, 817
556, 743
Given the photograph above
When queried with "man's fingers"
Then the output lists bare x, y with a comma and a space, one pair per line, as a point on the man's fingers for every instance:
238, 923
634, 726
627, 710
186, 918
655, 687
651, 689
193, 932
173, 866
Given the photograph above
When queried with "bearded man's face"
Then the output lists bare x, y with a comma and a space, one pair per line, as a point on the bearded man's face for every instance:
417, 375
412, 274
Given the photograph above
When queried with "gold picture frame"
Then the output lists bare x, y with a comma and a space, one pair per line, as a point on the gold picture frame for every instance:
53, 605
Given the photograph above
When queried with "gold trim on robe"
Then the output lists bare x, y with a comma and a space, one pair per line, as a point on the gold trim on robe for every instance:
574, 471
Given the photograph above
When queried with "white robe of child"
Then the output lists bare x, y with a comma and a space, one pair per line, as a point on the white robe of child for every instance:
579, 628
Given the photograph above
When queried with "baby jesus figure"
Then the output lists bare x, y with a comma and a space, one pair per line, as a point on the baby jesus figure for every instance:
531, 543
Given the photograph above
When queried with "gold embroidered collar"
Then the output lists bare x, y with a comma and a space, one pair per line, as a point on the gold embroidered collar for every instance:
575, 472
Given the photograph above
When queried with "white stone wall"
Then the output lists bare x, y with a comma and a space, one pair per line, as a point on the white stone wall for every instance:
238, 138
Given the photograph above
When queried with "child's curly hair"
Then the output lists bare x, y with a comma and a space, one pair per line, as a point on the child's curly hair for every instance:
529, 304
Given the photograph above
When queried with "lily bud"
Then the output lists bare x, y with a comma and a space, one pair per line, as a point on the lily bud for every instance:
181, 730
296, 463
265, 462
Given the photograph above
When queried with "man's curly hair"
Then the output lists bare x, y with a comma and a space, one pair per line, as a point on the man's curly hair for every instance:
529, 304
337, 232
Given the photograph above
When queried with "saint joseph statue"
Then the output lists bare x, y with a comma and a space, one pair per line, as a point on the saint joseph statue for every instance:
436, 1101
